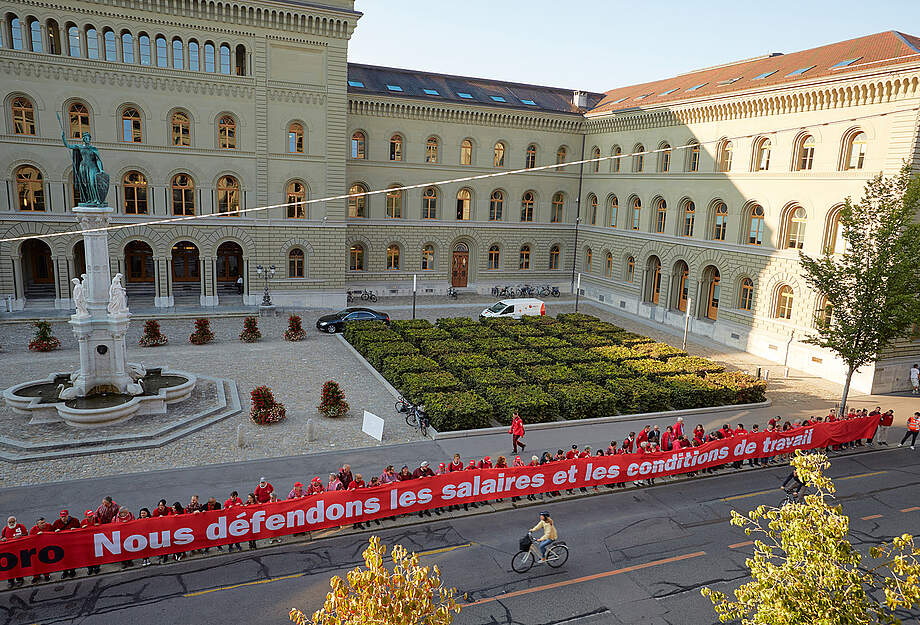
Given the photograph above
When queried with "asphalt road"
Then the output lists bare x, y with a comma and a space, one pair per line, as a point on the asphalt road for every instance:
637, 557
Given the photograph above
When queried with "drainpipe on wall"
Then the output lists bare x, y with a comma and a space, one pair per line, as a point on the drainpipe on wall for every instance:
581, 177
786, 359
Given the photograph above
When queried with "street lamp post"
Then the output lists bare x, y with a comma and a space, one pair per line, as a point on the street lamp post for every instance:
268, 274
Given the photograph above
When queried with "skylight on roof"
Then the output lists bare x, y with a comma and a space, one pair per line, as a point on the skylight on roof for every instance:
355, 83
799, 71
620, 100
529, 102
431, 91
394, 87
729, 81
668, 91
695, 87
498, 98
764, 75
642, 97
464, 95
845, 63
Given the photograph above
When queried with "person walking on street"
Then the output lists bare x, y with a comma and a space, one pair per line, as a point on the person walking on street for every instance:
517, 432
885, 421
915, 379
913, 428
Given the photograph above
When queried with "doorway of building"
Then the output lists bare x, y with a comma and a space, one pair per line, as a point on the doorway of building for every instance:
186, 270
459, 272
37, 270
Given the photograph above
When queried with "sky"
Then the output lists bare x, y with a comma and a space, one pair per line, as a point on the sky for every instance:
604, 44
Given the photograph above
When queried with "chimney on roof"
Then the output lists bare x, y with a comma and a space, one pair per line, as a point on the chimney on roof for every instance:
580, 99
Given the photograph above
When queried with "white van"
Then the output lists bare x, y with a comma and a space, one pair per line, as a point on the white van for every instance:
515, 308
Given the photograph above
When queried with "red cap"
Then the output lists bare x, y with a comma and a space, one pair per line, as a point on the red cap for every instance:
442, 465
317, 479
89, 513
65, 513
472, 463
518, 458
487, 459
296, 484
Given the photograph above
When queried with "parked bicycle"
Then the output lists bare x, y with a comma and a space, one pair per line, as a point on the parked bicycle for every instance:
368, 295
415, 415
556, 554
451, 292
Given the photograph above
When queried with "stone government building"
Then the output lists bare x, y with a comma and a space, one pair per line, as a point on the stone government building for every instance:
204, 107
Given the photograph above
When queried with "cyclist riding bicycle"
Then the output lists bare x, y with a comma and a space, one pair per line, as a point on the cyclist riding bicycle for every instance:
794, 486
549, 533
422, 417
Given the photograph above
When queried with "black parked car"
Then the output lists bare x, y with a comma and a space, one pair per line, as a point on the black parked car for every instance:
336, 321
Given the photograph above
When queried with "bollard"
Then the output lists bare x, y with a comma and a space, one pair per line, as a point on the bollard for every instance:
239, 436
311, 430
766, 374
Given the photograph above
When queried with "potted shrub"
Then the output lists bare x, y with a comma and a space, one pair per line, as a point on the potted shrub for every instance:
43, 340
152, 336
332, 401
202, 333
250, 333
295, 331
265, 409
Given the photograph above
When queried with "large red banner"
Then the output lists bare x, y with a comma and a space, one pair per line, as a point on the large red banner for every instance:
146, 538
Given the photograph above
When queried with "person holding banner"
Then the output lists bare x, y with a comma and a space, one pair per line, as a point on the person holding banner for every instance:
62, 523
13, 529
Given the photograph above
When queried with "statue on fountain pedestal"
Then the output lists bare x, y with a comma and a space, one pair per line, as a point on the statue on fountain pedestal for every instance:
89, 179
79, 297
118, 297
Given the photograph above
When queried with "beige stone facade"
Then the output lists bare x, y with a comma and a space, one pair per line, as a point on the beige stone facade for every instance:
187, 100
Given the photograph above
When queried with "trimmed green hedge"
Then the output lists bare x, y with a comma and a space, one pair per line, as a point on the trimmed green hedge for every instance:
362, 339
533, 403
576, 318
695, 364
456, 322
520, 357
586, 340
630, 338
375, 353
469, 333
490, 376
652, 368
572, 354
602, 370
617, 353
401, 325
494, 344
455, 363
542, 342
583, 400
549, 374
637, 395
691, 391
395, 366
462, 410
354, 328
746, 388
435, 348
417, 335
415, 385
519, 330
660, 351
602, 327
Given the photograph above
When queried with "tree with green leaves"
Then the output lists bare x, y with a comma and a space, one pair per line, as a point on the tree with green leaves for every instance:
805, 569
872, 287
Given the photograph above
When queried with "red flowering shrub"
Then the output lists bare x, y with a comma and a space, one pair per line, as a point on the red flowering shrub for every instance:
332, 402
152, 336
265, 409
202, 333
43, 340
250, 333
295, 331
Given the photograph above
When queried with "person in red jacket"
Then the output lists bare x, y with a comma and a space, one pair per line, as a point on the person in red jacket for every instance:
485, 463
162, 509
667, 439
107, 511
89, 520
678, 428
41, 526
572, 453
455, 465
231, 502
517, 432
316, 487
13, 529
263, 491
62, 523
643, 436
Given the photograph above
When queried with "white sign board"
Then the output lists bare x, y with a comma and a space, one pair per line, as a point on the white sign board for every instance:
373, 425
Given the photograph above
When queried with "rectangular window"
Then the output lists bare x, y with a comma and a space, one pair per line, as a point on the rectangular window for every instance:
695, 87
844, 63
497, 98
431, 92
394, 204
465, 96
764, 75
799, 71
529, 102
669, 91
394, 88
355, 83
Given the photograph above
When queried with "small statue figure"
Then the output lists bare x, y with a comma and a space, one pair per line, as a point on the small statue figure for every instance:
118, 297
89, 179
79, 297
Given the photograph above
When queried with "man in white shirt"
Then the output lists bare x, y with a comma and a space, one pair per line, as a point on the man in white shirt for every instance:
915, 379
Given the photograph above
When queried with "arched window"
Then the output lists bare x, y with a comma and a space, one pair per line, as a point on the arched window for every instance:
394, 203
296, 263
719, 221
356, 257
224, 59
554, 257
856, 151
228, 195
726, 151
210, 57
496, 205
295, 138
78, 116
527, 203
183, 195
357, 203
296, 199
134, 190
239, 65
638, 158
589, 260
616, 161
661, 216
92, 43
178, 51
784, 301
162, 51
131, 126
524, 257
358, 145
806, 153
686, 226
466, 152
596, 156
464, 200
23, 116
592, 209
54, 37
30, 189
746, 295
834, 243
824, 311
431, 150
561, 153
762, 155
636, 214
530, 157
396, 146
630, 268
755, 225
608, 265
111, 49
693, 157
428, 258
15, 32
664, 158
714, 291
35, 34
194, 58
73, 41
614, 208
654, 280
558, 207
430, 203
226, 133
127, 47
682, 273
181, 129
795, 228
143, 42
498, 155
393, 257
494, 258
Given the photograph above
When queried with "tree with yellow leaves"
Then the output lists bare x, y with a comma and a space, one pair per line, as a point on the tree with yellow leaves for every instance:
805, 570
410, 594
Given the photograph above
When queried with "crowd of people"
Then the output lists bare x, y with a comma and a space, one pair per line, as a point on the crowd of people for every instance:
650, 439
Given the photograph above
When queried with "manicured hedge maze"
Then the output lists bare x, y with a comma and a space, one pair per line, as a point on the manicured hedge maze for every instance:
574, 366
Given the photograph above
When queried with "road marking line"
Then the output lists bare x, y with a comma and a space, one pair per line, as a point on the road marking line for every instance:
744, 544
915, 508
852, 477
587, 578
871, 516
760, 492
443, 549
764, 492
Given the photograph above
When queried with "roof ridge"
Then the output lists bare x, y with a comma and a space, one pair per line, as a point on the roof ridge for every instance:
903, 37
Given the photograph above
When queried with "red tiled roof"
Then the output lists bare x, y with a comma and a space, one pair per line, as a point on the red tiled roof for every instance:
873, 51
